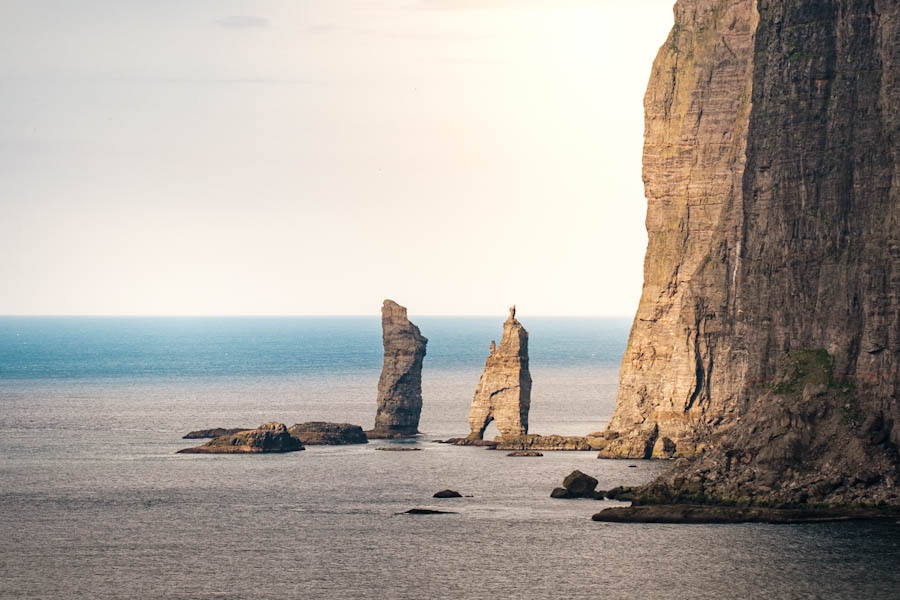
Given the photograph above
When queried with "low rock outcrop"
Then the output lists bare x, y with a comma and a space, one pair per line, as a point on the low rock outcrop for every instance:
687, 513
400, 385
503, 394
543, 442
268, 437
525, 453
318, 433
212, 433
489, 444
447, 494
577, 485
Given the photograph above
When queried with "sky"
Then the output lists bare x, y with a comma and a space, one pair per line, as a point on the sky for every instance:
191, 157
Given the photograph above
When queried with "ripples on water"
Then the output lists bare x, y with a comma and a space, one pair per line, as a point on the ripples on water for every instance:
94, 502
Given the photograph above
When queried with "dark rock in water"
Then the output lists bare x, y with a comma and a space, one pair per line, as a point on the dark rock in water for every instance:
543, 442
687, 513
580, 485
328, 434
212, 433
269, 437
426, 511
624, 494
561, 493
490, 444
447, 494
400, 385
397, 449
525, 453
503, 394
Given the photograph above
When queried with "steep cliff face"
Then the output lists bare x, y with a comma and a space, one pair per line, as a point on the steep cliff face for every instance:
697, 108
769, 330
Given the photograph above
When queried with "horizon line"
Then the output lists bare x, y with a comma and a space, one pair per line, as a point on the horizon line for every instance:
259, 315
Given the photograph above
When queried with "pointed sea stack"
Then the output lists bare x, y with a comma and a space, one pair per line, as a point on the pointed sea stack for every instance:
400, 386
504, 390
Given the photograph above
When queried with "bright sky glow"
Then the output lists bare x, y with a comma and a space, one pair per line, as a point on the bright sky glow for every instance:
315, 157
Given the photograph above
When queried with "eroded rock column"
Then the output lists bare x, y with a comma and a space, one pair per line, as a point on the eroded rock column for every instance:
504, 390
400, 385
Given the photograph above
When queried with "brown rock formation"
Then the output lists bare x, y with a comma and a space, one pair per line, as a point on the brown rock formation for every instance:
318, 433
268, 437
211, 433
504, 390
544, 442
770, 168
400, 385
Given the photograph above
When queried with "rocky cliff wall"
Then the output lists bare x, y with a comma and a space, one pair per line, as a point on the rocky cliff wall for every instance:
769, 326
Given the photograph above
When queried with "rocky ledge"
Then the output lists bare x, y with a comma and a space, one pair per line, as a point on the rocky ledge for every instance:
543, 442
268, 437
319, 433
490, 444
215, 432
695, 513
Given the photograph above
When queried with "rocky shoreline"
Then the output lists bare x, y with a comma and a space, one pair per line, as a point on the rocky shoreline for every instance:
711, 514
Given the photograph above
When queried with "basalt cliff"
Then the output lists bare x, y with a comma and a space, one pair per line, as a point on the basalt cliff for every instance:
766, 340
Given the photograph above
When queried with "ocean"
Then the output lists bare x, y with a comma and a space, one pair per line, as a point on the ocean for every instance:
95, 502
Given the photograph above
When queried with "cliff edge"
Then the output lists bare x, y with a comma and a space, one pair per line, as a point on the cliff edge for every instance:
767, 337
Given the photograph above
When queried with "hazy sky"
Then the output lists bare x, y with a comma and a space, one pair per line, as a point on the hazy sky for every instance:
315, 157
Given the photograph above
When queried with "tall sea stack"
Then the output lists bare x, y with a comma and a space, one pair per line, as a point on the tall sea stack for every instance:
504, 390
768, 331
400, 385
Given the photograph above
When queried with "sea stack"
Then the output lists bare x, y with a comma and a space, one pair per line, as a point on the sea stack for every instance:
400, 385
504, 390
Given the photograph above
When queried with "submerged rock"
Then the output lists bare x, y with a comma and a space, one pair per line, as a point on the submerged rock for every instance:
397, 449
503, 394
426, 511
212, 433
328, 434
447, 494
400, 385
268, 437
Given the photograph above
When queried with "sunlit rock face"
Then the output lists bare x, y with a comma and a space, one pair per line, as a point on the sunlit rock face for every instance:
503, 394
774, 246
400, 384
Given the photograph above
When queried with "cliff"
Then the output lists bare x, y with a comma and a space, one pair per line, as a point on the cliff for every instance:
768, 331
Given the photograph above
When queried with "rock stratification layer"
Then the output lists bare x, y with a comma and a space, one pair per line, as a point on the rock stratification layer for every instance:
503, 394
769, 325
400, 385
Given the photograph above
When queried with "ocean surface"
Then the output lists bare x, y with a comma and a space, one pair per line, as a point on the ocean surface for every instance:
94, 502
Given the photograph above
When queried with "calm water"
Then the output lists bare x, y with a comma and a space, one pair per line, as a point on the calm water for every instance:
95, 503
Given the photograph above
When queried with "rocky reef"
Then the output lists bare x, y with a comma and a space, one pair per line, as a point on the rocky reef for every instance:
268, 437
767, 337
215, 432
319, 433
400, 385
503, 394
543, 442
